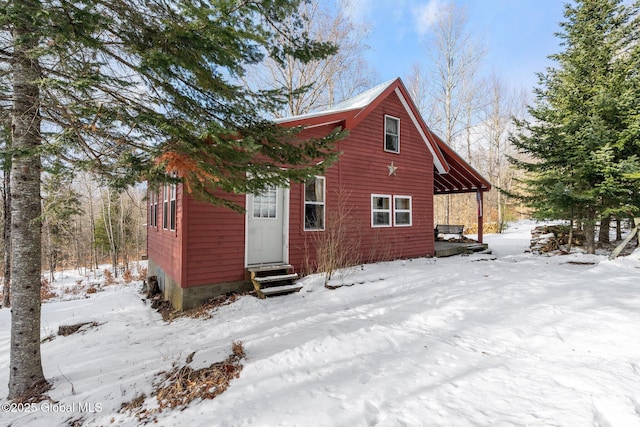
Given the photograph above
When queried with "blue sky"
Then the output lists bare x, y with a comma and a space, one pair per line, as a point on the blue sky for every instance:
518, 34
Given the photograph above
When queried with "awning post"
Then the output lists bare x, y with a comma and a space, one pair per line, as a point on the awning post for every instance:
479, 197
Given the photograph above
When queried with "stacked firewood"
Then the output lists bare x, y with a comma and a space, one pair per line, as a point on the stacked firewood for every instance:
549, 238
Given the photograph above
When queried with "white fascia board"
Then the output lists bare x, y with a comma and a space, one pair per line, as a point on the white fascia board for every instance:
436, 160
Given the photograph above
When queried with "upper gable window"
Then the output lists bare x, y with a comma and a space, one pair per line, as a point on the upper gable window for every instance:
391, 134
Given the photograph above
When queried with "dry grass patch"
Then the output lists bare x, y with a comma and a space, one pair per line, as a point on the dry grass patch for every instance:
204, 311
46, 292
177, 388
142, 274
66, 330
182, 385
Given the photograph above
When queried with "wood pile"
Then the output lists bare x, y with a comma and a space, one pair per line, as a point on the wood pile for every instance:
549, 238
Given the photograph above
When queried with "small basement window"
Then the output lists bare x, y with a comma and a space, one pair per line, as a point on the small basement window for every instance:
314, 204
391, 134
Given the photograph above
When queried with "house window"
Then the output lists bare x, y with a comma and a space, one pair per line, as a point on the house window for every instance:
391, 134
314, 202
402, 211
380, 210
165, 206
153, 209
265, 203
172, 207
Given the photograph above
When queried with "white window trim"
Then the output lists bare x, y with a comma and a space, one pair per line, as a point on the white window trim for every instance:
156, 202
410, 211
165, 207
173, 210
374, 210
323, 203
384, 142
153, 211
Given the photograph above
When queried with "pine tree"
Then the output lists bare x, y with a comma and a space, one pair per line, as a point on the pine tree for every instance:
580, 139
140, 89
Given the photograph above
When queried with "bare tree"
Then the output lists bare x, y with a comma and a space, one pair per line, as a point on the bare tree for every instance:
328, 81
417, 82
454, 56
500, 106
88, 188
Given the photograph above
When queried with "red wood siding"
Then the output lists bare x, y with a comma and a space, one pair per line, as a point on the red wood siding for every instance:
362, 171
208, 245
165, 246
215, 247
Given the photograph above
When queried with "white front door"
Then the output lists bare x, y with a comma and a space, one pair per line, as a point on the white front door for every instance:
266, 241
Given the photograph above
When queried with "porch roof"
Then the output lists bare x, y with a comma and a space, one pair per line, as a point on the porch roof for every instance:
461, 178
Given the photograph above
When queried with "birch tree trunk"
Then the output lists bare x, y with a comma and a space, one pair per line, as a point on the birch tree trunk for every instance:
26, 374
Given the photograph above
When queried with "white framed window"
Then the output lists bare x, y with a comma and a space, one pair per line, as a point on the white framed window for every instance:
165, 207
402, 211
380, 210
153, 209
172, 207
265, 204
314, 203
391, 134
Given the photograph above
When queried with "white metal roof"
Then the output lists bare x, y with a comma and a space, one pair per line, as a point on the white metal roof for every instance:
356, 103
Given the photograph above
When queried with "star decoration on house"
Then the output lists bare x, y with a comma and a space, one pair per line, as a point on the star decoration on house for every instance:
392, 169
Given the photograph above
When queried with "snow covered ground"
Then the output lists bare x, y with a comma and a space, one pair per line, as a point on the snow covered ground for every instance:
508, 339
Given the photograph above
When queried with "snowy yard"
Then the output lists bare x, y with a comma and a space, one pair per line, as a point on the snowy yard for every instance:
507, 339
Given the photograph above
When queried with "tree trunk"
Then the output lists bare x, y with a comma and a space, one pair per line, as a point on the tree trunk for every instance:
500, 207
589, 237
603, 235
618, 228
6, 234
25, 374
570, 233
94, 248
108, 225
48, 246
589, 231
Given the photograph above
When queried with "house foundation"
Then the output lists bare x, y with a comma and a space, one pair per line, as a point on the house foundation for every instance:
187, 298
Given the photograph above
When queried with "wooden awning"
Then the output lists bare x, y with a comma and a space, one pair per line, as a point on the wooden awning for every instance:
461, 177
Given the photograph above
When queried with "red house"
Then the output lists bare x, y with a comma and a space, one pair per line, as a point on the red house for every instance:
390, 168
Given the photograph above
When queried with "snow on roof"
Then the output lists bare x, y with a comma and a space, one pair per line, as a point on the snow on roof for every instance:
357, 102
